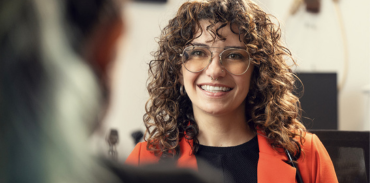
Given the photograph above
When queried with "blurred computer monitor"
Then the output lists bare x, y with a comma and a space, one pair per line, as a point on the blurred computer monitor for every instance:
319, 100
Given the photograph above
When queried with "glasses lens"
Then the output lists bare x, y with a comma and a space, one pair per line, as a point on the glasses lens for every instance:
196, 58
236, 61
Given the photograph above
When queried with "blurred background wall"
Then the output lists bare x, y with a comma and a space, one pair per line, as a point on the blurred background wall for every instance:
315, 40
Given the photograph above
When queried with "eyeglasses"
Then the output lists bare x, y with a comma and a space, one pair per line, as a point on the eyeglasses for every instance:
197, 58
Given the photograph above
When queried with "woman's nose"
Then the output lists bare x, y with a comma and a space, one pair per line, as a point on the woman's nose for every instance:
215, 70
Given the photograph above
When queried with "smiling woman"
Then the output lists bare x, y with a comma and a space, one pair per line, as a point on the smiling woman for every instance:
221, 92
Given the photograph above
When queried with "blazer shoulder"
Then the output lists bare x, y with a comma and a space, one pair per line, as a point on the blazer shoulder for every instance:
316, 162
308, 140
312, 143
141, 155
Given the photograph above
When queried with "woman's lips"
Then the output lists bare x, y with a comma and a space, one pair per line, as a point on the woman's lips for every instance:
214, 90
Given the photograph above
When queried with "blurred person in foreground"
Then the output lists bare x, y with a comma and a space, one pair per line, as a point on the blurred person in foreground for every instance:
53, 86
54, 56
221, 91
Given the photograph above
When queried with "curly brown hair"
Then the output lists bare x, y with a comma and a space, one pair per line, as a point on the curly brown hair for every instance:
271, 106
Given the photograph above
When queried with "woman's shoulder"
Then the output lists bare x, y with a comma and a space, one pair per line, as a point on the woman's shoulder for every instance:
141, 155
314, 151
312, 143
315, 161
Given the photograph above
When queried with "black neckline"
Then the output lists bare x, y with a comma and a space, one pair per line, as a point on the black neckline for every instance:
222, 150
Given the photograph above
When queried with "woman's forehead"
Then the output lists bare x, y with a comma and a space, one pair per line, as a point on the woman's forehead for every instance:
206, 36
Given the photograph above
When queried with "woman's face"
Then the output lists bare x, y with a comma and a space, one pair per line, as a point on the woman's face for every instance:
209, 100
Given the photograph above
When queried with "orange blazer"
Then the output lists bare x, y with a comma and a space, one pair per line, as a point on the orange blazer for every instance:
314, 164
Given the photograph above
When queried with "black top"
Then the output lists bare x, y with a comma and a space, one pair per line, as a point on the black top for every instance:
235, 164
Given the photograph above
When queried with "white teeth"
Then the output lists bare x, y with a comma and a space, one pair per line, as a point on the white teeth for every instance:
215, 89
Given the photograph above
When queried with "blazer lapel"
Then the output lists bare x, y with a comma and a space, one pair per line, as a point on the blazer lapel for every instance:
271, 166
187, 158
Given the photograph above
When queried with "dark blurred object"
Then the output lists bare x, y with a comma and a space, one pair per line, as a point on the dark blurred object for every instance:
156, 174
164, 171
137, 136
349, 152
112, 140
319, 101
151, 1
312, 6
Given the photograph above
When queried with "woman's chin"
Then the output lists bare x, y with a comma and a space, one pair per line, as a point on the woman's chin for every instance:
216, 111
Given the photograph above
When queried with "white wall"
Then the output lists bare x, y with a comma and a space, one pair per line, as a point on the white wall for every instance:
315, 41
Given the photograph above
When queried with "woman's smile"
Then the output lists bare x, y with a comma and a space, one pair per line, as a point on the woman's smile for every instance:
215, 90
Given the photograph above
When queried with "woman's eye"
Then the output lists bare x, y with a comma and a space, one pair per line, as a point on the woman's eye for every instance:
198, 53
235, 56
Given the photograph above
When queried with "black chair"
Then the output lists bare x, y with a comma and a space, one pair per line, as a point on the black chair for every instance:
349, 152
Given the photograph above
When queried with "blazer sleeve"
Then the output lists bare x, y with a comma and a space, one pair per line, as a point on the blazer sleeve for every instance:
323, 169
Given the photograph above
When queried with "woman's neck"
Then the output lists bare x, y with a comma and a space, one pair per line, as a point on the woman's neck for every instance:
223, 130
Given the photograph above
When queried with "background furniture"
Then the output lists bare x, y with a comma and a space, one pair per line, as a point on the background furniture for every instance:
349, 151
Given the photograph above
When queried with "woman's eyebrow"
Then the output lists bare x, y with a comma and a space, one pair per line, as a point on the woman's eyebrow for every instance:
199, 44
236, 47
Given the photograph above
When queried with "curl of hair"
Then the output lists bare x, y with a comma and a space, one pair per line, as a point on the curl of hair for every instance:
271, 106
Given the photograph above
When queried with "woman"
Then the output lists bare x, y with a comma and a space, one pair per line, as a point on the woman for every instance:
221, 92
